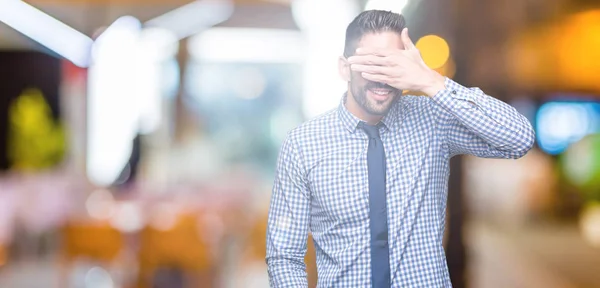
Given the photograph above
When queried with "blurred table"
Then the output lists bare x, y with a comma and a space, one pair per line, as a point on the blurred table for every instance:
549, 255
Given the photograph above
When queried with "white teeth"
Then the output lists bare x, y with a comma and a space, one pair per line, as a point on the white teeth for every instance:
379, 92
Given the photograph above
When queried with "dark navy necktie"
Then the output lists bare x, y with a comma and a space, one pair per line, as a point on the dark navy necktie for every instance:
380, 258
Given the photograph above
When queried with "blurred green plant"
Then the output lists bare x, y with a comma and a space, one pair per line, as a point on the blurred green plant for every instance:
35, 140
581, 166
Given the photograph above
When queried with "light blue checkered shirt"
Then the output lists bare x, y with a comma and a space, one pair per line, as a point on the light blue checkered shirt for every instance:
321, 186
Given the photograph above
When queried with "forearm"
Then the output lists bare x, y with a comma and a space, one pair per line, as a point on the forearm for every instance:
493, 121
287, 271
286, 248
287, 235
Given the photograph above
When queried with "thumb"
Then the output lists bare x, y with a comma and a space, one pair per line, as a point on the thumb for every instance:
408, 44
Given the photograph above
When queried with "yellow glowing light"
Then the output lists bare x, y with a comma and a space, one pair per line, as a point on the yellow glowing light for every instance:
35, 140
434, 50
577, 49
448, 69
564, 55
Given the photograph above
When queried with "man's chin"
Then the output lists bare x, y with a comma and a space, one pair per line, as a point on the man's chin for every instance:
379, 109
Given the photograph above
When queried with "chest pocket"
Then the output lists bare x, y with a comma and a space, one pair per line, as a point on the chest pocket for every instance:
339, 186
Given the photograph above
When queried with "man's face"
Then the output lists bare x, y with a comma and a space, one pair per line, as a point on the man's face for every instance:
373, 97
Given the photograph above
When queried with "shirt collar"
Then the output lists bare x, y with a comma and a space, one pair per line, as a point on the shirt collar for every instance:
350, 122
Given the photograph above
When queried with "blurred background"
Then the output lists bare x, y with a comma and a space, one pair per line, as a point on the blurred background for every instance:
138, 138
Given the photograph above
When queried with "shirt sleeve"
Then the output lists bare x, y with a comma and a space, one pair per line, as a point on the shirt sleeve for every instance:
480, 125
288, 222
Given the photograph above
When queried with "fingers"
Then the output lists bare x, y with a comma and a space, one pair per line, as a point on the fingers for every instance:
376, 77
375, 51
371, 69
408, 44
370, 60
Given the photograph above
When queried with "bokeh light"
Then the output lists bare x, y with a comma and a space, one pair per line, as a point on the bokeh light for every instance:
434, 50
590, 224
581, 166
448, 69
100, 204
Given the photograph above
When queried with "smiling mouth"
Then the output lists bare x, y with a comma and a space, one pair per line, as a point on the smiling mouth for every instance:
381, 92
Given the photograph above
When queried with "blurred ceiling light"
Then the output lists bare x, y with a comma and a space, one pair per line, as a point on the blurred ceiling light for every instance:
389, 5
113, 118
158, 44
251, 45
46, 30
325, 34
314, 16
194, 17
124, 30
125, 86
434, 50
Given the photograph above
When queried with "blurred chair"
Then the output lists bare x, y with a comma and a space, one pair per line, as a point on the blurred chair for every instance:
311, 263
95, 241
179, 248
3, 255
98, 241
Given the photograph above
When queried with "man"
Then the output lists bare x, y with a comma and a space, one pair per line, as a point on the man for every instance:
369, 179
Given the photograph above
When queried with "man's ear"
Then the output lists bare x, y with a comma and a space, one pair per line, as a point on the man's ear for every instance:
344, 69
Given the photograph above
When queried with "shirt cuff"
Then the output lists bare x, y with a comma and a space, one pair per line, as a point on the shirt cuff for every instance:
456, 96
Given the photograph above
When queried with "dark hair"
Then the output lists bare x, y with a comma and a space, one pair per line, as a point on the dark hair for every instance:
371, 21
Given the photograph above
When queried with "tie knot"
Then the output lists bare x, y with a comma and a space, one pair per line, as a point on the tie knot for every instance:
371, 130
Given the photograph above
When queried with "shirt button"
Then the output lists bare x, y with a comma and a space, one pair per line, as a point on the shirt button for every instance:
454, 92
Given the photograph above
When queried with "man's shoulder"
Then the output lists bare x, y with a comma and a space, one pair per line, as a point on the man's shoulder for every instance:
313, 127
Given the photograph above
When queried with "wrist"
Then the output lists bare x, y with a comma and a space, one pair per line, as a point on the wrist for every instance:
435, 83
